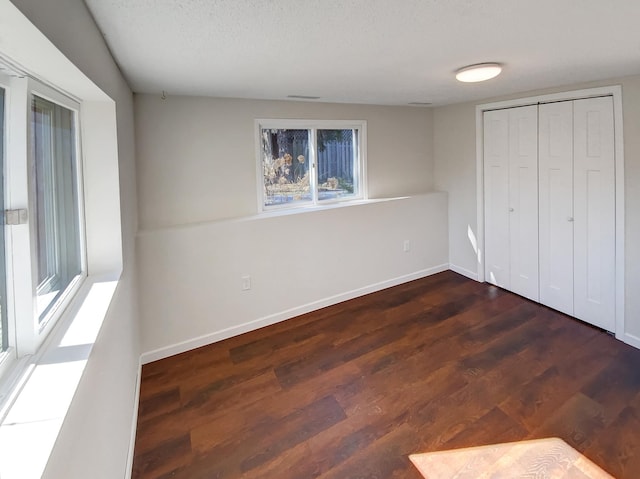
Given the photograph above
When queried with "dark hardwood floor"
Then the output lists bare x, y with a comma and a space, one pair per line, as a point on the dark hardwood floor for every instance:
350, 390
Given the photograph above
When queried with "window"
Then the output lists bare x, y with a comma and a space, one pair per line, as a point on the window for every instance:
4, 330
55, 209
308, 163
42, 247
57, 212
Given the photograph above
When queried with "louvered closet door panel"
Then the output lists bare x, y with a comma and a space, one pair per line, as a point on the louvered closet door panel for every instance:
496, 188
523, 200
594, 210
556, 205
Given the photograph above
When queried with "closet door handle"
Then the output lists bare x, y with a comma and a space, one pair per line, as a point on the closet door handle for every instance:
511, 210
570, 219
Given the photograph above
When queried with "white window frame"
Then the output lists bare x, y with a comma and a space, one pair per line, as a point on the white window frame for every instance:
360, 168
47, 93
27, 331
9, 357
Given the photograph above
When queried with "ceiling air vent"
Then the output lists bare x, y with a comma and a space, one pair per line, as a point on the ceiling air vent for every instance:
303, 97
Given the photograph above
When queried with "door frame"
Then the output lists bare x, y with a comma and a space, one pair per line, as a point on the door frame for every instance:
615, 91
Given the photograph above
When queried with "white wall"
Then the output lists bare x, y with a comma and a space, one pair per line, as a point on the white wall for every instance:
455, 172
94, 439
197, 165
190, 276
197, 162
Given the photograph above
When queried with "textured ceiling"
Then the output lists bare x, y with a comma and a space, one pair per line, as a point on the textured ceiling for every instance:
366, 51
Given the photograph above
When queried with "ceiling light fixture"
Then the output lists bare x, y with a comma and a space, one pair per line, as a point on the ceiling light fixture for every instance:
478, 72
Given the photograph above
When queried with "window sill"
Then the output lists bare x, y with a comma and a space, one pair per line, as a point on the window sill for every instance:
34, 410
284, 211
271, 214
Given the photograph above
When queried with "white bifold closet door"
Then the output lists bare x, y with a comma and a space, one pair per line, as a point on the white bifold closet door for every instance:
556, 205
594, 212
511, 199
577, 209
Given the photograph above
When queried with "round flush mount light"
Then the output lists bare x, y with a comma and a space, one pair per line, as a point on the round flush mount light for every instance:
478, 72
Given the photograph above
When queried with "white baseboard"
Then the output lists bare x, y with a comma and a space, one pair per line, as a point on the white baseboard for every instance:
630, 339
134, 424
464, 272
210, 338
625, 337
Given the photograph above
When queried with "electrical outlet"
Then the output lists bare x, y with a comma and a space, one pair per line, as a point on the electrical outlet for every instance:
406, 246
245, 283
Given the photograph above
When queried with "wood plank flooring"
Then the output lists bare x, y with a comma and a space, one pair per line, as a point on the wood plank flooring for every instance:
350, 390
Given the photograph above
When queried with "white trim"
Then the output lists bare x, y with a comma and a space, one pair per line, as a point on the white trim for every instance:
463, 271
38, 88
313, 172
9, 365
21, 188
363, 184
630, 339
616, 92
620, 212
480, 193
289, 123
226, 333
18, 237
562, 96
9, 357
257, 139
134, 424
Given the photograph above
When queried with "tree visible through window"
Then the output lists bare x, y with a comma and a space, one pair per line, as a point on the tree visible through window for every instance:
286, 166
310, 165
336, 155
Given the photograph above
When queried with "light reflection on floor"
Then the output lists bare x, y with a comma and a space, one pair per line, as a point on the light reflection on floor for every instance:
549, 458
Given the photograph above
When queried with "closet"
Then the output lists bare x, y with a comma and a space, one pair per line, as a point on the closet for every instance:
511, 199
549, 185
